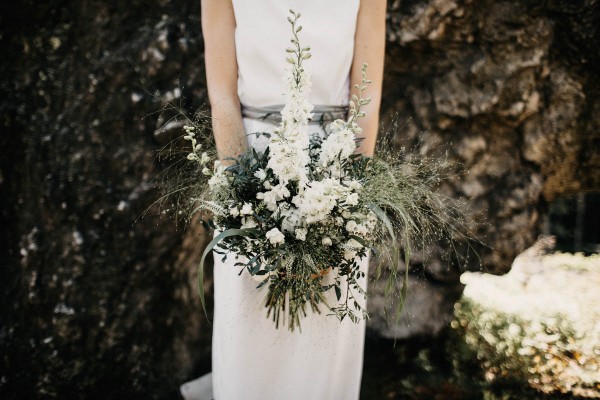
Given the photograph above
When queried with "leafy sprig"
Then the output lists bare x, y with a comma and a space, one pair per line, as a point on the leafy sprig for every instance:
300, 53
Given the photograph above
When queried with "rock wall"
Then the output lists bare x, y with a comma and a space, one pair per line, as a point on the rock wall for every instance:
99, 298
510, 89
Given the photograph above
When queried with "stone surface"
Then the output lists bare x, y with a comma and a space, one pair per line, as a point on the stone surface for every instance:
510, 89
99, 302
99, 299
425, 310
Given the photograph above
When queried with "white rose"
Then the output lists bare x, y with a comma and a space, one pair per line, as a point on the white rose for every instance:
275, 237
246, 209
234, 211
351, 226
326, 241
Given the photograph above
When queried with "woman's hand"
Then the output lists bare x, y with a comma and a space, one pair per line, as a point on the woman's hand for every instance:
369, 47
218, 30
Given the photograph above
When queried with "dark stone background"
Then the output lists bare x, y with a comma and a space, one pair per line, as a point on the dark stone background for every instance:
101, 303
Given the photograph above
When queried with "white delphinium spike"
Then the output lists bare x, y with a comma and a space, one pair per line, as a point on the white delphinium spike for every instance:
341, 141
289, 157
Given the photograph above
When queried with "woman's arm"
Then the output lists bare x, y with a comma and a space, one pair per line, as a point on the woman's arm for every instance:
218, 29
369, 47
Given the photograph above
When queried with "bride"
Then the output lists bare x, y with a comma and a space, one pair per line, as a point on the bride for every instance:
245, 42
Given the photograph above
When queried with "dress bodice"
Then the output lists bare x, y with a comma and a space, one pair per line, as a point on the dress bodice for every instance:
263, 33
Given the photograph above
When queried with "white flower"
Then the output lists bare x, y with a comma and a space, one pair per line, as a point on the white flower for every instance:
354, 185
246, 209
350, 249
204, 158
318, 199
288, 160
271, 197
261, 174
234, 211
205, 171
352, 199
349, 254
219, 179
339, 143
281, 191
326, 241
357, 229
337, 125
301, 233
275, 237
351, 226
288, 146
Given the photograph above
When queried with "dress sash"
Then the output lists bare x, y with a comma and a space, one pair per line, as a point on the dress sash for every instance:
322, 114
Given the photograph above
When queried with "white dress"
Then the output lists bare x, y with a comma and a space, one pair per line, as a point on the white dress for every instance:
251, 359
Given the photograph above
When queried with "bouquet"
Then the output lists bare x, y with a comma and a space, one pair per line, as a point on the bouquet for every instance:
308, 206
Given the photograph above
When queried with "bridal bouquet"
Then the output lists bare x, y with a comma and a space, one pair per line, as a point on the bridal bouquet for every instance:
308, 206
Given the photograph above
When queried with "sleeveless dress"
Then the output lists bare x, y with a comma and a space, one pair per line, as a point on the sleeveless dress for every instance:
251, 359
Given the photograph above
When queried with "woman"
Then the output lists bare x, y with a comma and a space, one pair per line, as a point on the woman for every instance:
245, 44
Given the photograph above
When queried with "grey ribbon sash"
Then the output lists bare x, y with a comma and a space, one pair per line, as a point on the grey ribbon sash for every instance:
322, 114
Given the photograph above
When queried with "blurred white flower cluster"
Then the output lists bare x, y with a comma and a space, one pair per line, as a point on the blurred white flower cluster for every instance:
540, 323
